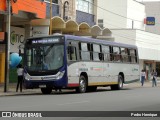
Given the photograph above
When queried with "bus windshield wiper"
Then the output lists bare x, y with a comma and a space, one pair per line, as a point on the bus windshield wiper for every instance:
48, 50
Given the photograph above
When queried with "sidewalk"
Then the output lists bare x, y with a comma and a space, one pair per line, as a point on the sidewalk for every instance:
12, 88
138, 84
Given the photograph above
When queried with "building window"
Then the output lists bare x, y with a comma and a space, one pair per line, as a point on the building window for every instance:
85, 6
53, 1
66, 10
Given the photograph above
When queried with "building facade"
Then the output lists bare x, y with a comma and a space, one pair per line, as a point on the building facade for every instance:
21, 13
72, 12
152, 11
121, 14
125, 18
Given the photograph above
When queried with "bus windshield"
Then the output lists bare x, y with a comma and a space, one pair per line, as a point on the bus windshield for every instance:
44, 57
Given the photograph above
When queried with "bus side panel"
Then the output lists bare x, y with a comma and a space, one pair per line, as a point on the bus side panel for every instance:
130, 71
73, 75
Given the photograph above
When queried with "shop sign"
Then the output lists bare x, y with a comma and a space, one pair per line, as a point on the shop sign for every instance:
40, 31
17, 38
150, 21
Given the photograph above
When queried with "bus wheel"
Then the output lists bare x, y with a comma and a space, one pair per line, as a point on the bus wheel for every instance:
119, 86
46, 90
82, 85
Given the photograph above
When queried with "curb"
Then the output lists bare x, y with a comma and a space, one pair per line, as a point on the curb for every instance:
12, 91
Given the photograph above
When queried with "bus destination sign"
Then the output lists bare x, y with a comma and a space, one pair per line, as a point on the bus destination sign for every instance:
44, 41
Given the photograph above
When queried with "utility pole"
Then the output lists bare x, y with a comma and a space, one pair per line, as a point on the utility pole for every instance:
7, 50
50, 30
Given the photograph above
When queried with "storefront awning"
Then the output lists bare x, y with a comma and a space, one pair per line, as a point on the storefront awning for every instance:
96, 30
71, 27
40, 22
58, 23
84, 30
106, 32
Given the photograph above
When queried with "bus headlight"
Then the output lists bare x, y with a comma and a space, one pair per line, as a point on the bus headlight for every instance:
26, 77
61, 74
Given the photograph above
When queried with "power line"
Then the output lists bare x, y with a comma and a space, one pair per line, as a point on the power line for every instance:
131, 39
116, 13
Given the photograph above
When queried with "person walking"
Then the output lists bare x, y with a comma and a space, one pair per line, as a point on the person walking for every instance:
143, 77
20, 77
154, 78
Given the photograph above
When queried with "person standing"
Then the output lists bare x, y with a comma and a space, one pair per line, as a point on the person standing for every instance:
143, 77
20, 77
154, 79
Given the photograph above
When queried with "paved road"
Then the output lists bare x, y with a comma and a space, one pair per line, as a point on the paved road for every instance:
132, 99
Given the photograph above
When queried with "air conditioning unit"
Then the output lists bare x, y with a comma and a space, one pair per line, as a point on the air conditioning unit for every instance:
100, 23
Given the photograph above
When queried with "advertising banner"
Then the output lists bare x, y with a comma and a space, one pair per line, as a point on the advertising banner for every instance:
17, 39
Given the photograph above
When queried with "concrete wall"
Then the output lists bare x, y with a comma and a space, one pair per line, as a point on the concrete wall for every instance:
112, 20
123, 12
126, 36
135, 11
152, 10
148, 43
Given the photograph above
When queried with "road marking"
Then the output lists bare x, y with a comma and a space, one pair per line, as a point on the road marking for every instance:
74, 103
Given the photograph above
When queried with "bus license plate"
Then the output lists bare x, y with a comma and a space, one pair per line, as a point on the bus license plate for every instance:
42, 86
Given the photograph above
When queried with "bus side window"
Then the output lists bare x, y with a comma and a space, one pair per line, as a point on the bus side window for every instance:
124, 54
84, 52
71, 53
116, 54
133, 56
97, 56
106, 51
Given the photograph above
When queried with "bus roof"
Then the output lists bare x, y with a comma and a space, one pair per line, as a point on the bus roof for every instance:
90, 39
105, 42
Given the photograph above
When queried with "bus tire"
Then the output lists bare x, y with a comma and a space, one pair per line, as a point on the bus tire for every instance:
119, 86
82, 85
46, 90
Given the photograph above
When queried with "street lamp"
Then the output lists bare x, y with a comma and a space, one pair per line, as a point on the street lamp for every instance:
50, 32
7, 60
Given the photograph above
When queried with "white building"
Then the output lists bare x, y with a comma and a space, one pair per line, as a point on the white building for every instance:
125, 18
153, 10
121, 14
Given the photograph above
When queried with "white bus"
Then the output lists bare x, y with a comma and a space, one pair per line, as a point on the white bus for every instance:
81, 63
